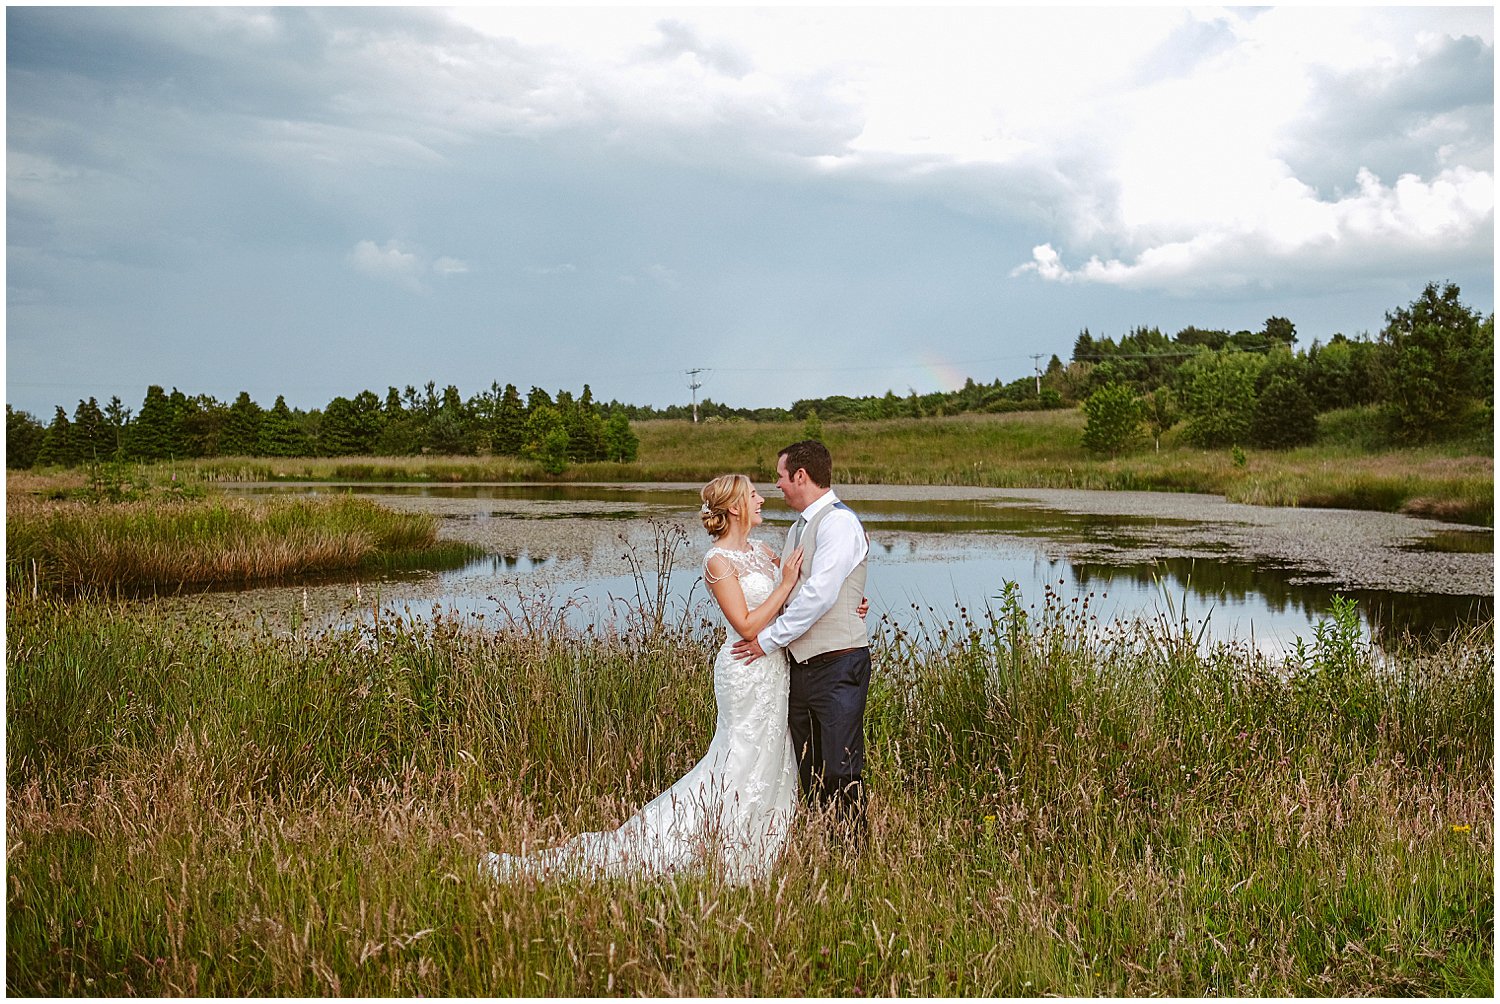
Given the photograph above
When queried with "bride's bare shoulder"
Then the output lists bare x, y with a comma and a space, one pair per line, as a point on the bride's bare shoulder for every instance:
716, 565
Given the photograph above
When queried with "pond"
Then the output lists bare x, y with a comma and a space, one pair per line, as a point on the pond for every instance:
1259, 575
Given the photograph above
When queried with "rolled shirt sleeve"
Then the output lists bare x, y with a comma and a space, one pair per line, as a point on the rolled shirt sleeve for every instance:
841, 547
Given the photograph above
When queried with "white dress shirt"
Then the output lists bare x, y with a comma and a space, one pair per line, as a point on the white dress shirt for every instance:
841, 546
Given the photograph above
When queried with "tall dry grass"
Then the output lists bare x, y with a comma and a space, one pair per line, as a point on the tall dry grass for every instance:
1058, 806
149, 545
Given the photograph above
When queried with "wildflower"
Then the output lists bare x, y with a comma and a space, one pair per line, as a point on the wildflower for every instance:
1461, 827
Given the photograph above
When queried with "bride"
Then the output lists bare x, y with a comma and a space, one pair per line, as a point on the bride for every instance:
731, 812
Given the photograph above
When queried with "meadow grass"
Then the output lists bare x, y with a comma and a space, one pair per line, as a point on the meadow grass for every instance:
1344, 469
153, 545
1057, 806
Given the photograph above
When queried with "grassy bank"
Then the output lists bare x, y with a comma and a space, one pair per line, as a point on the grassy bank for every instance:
205, 808
156, 545
1023, 450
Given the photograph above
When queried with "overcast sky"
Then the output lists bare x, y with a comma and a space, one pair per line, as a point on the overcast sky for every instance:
801, 202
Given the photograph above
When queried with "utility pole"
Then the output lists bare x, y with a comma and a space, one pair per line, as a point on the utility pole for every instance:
695, 383
1036, 364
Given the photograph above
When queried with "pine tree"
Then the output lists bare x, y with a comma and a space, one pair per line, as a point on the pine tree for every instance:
336, 435
118, 417
509, 435
448, 430
58, 448
153, 434
369, 421
241, 434
586, 429
181, 417
201, 419
397, 434
93, 439
280, 435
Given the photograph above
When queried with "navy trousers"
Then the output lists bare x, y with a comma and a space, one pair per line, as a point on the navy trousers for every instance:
826, 714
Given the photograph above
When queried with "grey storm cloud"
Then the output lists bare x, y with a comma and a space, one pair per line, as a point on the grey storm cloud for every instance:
315, 201
1435, 112
678, 39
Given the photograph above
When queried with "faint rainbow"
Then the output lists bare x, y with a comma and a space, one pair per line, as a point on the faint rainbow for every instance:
947, 376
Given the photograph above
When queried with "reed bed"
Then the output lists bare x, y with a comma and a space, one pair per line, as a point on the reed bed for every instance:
155, 546
1059, 806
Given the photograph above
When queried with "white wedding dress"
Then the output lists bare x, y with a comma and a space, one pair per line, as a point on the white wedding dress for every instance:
732, 811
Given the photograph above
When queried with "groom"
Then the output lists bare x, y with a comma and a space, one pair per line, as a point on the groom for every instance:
824, 634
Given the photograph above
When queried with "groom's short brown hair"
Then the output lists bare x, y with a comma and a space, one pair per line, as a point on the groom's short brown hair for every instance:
812, 457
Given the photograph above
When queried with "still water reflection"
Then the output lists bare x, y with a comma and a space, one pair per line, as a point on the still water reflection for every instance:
1252, 574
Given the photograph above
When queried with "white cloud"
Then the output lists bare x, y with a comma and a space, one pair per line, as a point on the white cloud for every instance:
661, 275
1151, 142
679, 39
1162, 150
566, 268
391, 262
1296, 240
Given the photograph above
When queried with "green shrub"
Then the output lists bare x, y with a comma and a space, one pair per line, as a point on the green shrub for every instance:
1114, 419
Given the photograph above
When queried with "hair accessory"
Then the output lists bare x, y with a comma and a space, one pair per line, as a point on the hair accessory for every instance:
705, 510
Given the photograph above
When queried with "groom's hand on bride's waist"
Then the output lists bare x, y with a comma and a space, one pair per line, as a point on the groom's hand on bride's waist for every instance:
747, 648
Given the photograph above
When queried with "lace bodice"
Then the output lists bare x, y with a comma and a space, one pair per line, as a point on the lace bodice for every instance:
756, 568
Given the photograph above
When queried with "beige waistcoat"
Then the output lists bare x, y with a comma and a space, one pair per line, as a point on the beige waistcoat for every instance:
842, 626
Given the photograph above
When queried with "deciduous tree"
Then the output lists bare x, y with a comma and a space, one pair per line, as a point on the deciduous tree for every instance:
1284, 414
547, 439
621, 444
1217, 392
23, 438
1437, 364
1114, 419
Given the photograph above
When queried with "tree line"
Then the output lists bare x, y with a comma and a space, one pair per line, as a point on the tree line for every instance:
1430, 373
555, 431
1429, 376
1430, 370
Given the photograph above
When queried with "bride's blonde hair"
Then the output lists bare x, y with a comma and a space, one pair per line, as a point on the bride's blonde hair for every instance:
723, 493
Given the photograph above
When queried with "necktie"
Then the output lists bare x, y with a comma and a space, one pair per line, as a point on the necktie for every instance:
797, 529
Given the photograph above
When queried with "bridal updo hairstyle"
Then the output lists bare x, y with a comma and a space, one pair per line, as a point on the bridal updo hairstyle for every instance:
725, 492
